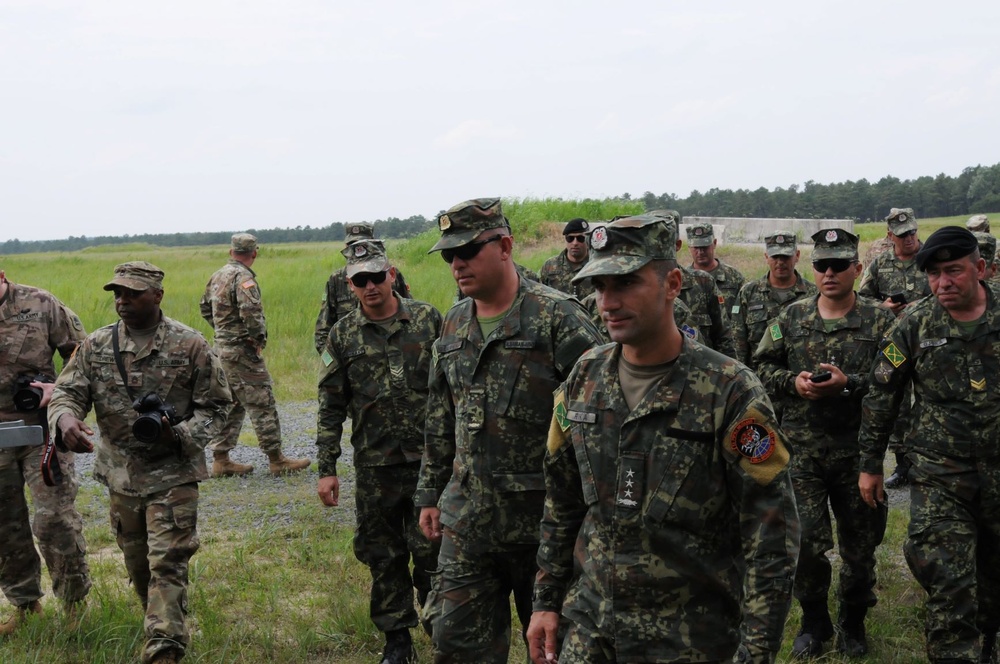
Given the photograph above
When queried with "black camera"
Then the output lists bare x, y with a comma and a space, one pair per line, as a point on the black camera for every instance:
27, 397
148, 427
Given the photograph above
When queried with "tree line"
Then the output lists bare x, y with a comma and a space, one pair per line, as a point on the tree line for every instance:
975, 190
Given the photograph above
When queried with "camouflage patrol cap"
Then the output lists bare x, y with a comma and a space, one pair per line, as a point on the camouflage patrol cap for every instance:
780, 243
700, 234
465, 222
366, 256
358, 230
901, 220
978, 223
672, 216
947, 243
834, 243
346, 251
987, 247
137, 276
626, 244
243, 243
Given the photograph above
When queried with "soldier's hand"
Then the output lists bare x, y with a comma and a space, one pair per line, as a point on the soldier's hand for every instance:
542, 637
75, 434
47, 390
872, 489
835, 385
329, 490
895, 307
430, 523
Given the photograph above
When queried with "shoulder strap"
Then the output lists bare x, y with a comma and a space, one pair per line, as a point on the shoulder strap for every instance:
118, 360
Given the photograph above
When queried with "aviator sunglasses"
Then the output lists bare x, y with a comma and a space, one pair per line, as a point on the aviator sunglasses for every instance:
467, 251
570, 239
361, 280
838, 264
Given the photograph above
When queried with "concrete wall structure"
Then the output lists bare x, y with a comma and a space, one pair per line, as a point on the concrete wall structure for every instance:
743, 230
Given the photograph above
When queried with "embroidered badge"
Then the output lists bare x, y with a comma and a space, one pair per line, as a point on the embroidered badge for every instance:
883, 372
779, 239
831, 236
722, 300
752, 440
630, 481
559, 412
735, 309
599, 238
444, 222
893, 355
775, 331
327, 358
689, 331
360, 250
978, 385
249, 283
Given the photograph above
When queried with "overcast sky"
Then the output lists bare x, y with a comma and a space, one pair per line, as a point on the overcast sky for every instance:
129, 117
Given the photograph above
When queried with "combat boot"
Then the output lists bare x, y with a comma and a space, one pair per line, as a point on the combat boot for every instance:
223, 466
851, 638
901, 475
816, 628
280, 464
169, 656
399, 648
74, 612
10, 625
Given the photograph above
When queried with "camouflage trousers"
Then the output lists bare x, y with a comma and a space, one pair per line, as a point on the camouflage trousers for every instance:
583, 644
253, 393
57, 525
158, 534
822, 485
386, 537
472, 621
953, 549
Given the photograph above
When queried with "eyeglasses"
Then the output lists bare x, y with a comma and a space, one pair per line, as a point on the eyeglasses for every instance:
906, 234
838, 265
467, 251
361, 280
570, 239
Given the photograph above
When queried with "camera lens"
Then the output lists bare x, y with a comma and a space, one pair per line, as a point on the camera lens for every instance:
147, 427
28, 398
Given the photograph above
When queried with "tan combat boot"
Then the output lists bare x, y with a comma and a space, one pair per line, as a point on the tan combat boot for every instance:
280, 464
10, 625
223, 466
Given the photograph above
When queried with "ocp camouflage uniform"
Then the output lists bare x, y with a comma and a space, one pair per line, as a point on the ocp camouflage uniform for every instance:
558, 272
153, 487
487, 414
339, 300
729, 281
232, 306
824, 437
953, 543
708, 322
647, 511
681, 315
34, 325
377, 375
757, 303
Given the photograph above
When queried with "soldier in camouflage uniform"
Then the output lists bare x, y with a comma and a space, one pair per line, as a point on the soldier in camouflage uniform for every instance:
558, 271
895, 273
376, 364
338, 299
978, 223
681, 315
946, 347
760, 300
836, 334
502, 352
34, 325
664, 468
988, 252
153, 486
702, 243
232, 306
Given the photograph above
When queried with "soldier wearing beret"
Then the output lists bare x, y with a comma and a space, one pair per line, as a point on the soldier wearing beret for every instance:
558, 271
945, 346
760, 300
232, 306
34, 326
502, 351
670, 524
893, 279
160, 395
338, 298
375, 368
815, 358
702, 244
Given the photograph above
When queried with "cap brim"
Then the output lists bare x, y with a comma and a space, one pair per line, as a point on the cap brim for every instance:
371, 267
780, 251
701, 242
903, 228
455, 239
610, 266
131, 284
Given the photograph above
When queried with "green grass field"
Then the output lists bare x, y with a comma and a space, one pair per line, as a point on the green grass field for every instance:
278, 582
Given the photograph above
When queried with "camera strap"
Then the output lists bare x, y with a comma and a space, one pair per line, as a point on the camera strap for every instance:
52, 473
118, 361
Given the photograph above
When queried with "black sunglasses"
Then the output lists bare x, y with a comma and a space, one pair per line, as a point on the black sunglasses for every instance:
576, 238
838, 264
361, 279
907, 234
467, 251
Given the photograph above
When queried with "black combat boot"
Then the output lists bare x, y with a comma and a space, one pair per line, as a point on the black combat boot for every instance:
901, 475
851, 639
989, 654
399, 648
816, 628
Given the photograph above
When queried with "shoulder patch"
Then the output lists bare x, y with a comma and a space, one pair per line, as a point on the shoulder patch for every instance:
249, 283
735, 309
326, 357
559, 425
894, 355
689, 331
775, 331
762, 452
883, 372
753, 440
722, 299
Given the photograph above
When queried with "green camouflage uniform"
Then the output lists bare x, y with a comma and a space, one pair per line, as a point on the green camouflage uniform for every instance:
232, 306
728, 280
953, 544
378, 377
153, 488
339, 300
34, 325
757, 303
487, 417
647, 511
708, 321
558, 272
824, 437
887, 275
